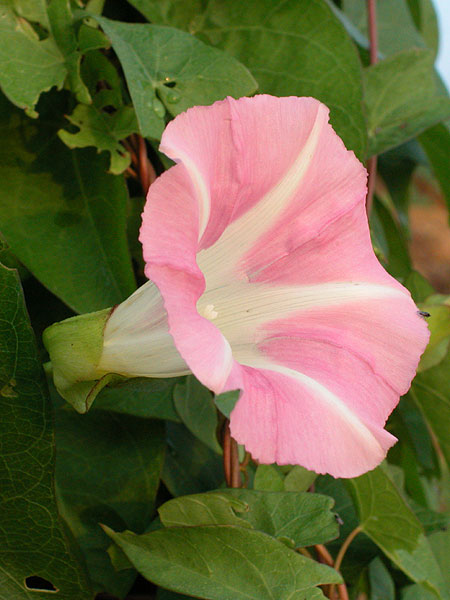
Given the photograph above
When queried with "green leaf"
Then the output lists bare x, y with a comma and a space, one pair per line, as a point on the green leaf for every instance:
195, 405
431, 392
389, 522
403, 99
90, 38
304, 518
391, 37
32, 538
29, 66
426, 21
228, 562
396, 246
438, 308
417, 592
440, 544
362, 550
299, 479
289, 54
63, 216
268, 478
183, 14
32, 10
436, 143
62, 28
418, 286
154, 56
107, 471
381, 584
168, 595
226, 402
190, 466
415, 428
104, 131
141, 397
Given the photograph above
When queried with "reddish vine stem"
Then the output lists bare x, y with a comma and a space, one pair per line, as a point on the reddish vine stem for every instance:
142, 169
231, 466
373, 40
341, 588
146, 170
226, 446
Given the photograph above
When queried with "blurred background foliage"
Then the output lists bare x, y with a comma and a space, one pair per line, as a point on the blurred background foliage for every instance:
87, 89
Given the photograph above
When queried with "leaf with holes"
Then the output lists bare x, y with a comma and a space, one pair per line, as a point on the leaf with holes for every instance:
155, 57
29, 519
29, 66
62, 27
285, 49
104, 131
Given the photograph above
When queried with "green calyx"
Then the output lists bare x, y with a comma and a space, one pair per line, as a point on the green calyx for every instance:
75, 347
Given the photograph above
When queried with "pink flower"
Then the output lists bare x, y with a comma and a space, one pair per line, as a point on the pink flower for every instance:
265, 281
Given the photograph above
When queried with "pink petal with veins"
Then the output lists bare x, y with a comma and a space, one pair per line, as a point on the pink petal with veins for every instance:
259, 245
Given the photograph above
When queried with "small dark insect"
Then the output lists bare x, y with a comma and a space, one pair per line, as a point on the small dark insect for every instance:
422, 313
339, 521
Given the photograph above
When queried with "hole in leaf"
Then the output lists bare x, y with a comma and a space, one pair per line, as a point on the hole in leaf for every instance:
170, 84
34, 583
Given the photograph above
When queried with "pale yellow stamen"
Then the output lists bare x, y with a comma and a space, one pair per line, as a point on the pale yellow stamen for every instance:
209, 312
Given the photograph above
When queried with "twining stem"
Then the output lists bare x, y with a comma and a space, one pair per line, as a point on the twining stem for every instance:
343, 549
343, 594
142, 169
146, 171
373, 37
324, 555
373, 40
231, 466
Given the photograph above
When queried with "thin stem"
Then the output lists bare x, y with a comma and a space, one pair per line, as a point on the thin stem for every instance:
343, 594
373, 36
131, 151
226, 445
343, 549
144, 172
243, 468
132, 173
231, 464
373, 39
324, 555
305, 552
236, 481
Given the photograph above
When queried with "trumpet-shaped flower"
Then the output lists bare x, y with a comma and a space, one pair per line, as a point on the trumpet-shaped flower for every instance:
263, 279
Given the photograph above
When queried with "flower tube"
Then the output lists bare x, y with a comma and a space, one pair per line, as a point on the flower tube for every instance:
263, 279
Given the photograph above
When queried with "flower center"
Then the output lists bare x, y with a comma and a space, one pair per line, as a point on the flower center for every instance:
209, 312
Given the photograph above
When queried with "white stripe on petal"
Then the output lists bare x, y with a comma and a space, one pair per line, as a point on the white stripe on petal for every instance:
220, 260
241, 308
331, 403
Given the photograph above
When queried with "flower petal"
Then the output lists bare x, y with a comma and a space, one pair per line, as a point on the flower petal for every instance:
169, 235
259, 244
288, 418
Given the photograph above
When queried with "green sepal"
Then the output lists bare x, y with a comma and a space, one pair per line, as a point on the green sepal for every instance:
75, 347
